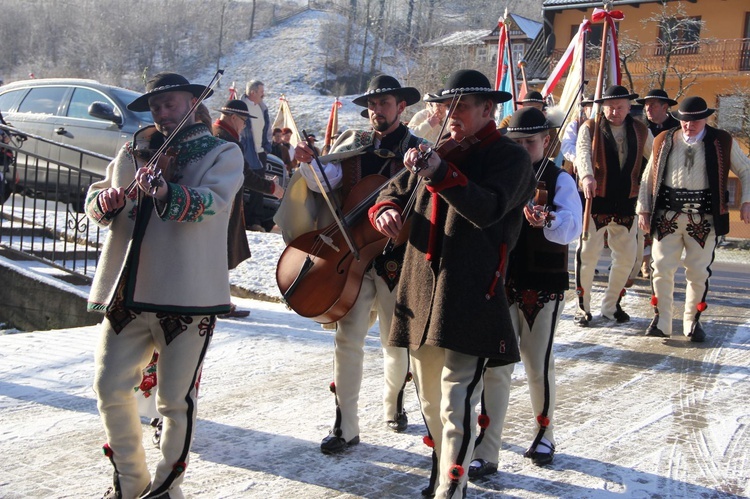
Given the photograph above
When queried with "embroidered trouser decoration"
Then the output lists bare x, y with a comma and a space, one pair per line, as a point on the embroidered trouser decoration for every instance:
665, 226
698, 229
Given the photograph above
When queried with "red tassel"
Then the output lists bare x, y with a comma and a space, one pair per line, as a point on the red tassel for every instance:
179, 467
579, 291
702, 306
107, 450
483, 420
456, 472
622, 293
543, 421
428, 441
332, 387
409, 376
654, 300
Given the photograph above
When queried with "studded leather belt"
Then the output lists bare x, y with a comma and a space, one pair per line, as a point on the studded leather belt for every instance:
684, 200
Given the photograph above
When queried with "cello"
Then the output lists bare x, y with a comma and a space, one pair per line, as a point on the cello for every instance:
318, 274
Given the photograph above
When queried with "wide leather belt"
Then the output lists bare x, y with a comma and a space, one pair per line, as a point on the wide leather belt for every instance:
684, 200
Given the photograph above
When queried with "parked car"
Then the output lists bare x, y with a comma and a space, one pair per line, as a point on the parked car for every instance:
80, 113
274, 168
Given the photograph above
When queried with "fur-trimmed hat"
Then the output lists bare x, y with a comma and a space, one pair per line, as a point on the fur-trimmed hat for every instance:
526, 122
693, 109
657, 94
616, 92
470, 82
388, 85
236, 106
166, 82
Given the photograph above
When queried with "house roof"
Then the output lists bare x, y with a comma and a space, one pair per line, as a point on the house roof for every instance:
460, 38
578, 4
528, 26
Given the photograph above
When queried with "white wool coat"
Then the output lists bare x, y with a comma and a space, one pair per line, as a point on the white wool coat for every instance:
173, 256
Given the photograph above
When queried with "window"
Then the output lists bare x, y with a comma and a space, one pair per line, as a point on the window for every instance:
679, 36
81, 100
42, 100
8, 99
518, 52
594, 37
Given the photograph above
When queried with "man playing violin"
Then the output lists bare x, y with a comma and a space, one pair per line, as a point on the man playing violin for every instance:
537, 280
160, 281
451, 308
353, 156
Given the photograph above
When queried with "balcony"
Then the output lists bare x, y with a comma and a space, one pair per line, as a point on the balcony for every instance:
710, 56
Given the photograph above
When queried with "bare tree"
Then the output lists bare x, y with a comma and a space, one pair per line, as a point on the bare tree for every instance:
679, 35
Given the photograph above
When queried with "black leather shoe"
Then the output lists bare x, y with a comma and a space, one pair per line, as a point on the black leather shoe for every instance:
335, 445
483, 469
621, 316
582, 320
698, 335
655, 331
399, 424
428, 492
541, 458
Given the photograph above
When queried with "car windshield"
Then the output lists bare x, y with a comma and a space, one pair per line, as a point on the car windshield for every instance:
128, 96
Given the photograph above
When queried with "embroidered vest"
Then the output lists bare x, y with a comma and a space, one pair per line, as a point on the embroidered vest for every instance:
537, 263
617, 185
717, 145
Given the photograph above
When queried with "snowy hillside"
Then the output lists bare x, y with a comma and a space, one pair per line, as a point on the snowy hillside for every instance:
289, 60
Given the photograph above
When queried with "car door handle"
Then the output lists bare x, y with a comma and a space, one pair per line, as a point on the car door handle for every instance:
60, 131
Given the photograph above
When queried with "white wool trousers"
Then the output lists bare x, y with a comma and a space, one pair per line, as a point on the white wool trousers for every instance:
349, 353
182, 342
666, 254
536, 346
450, 387
623, 245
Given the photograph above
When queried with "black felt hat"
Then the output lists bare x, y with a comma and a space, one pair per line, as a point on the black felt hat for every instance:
166, 82
692, 109
533, 96
657, 94
236, 106
616, 92
388, 85
470, 82
588, 100
526, 122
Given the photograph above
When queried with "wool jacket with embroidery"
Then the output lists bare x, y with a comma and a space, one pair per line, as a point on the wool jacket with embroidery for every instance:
172, 256
466, 219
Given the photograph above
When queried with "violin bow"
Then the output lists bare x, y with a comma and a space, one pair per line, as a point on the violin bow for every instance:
335, 210
154, 179
424, 156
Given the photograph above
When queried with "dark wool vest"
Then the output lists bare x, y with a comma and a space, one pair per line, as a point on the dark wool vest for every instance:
537, 263
717, 145
617, 187
668, 124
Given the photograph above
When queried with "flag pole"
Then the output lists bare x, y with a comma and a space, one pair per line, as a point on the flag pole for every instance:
597, 120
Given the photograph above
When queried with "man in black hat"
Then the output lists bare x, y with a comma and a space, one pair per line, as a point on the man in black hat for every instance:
229, 126
160, 280
536, 283
610, 177
451, 310
656, 104
683, 202
354, 155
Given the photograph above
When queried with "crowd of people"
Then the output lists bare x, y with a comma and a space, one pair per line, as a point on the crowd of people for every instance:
471, 228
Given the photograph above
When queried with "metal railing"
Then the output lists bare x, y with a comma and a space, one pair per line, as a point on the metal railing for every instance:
41, 216
706, 57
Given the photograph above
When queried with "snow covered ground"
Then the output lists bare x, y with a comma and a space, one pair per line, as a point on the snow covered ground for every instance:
636, 417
